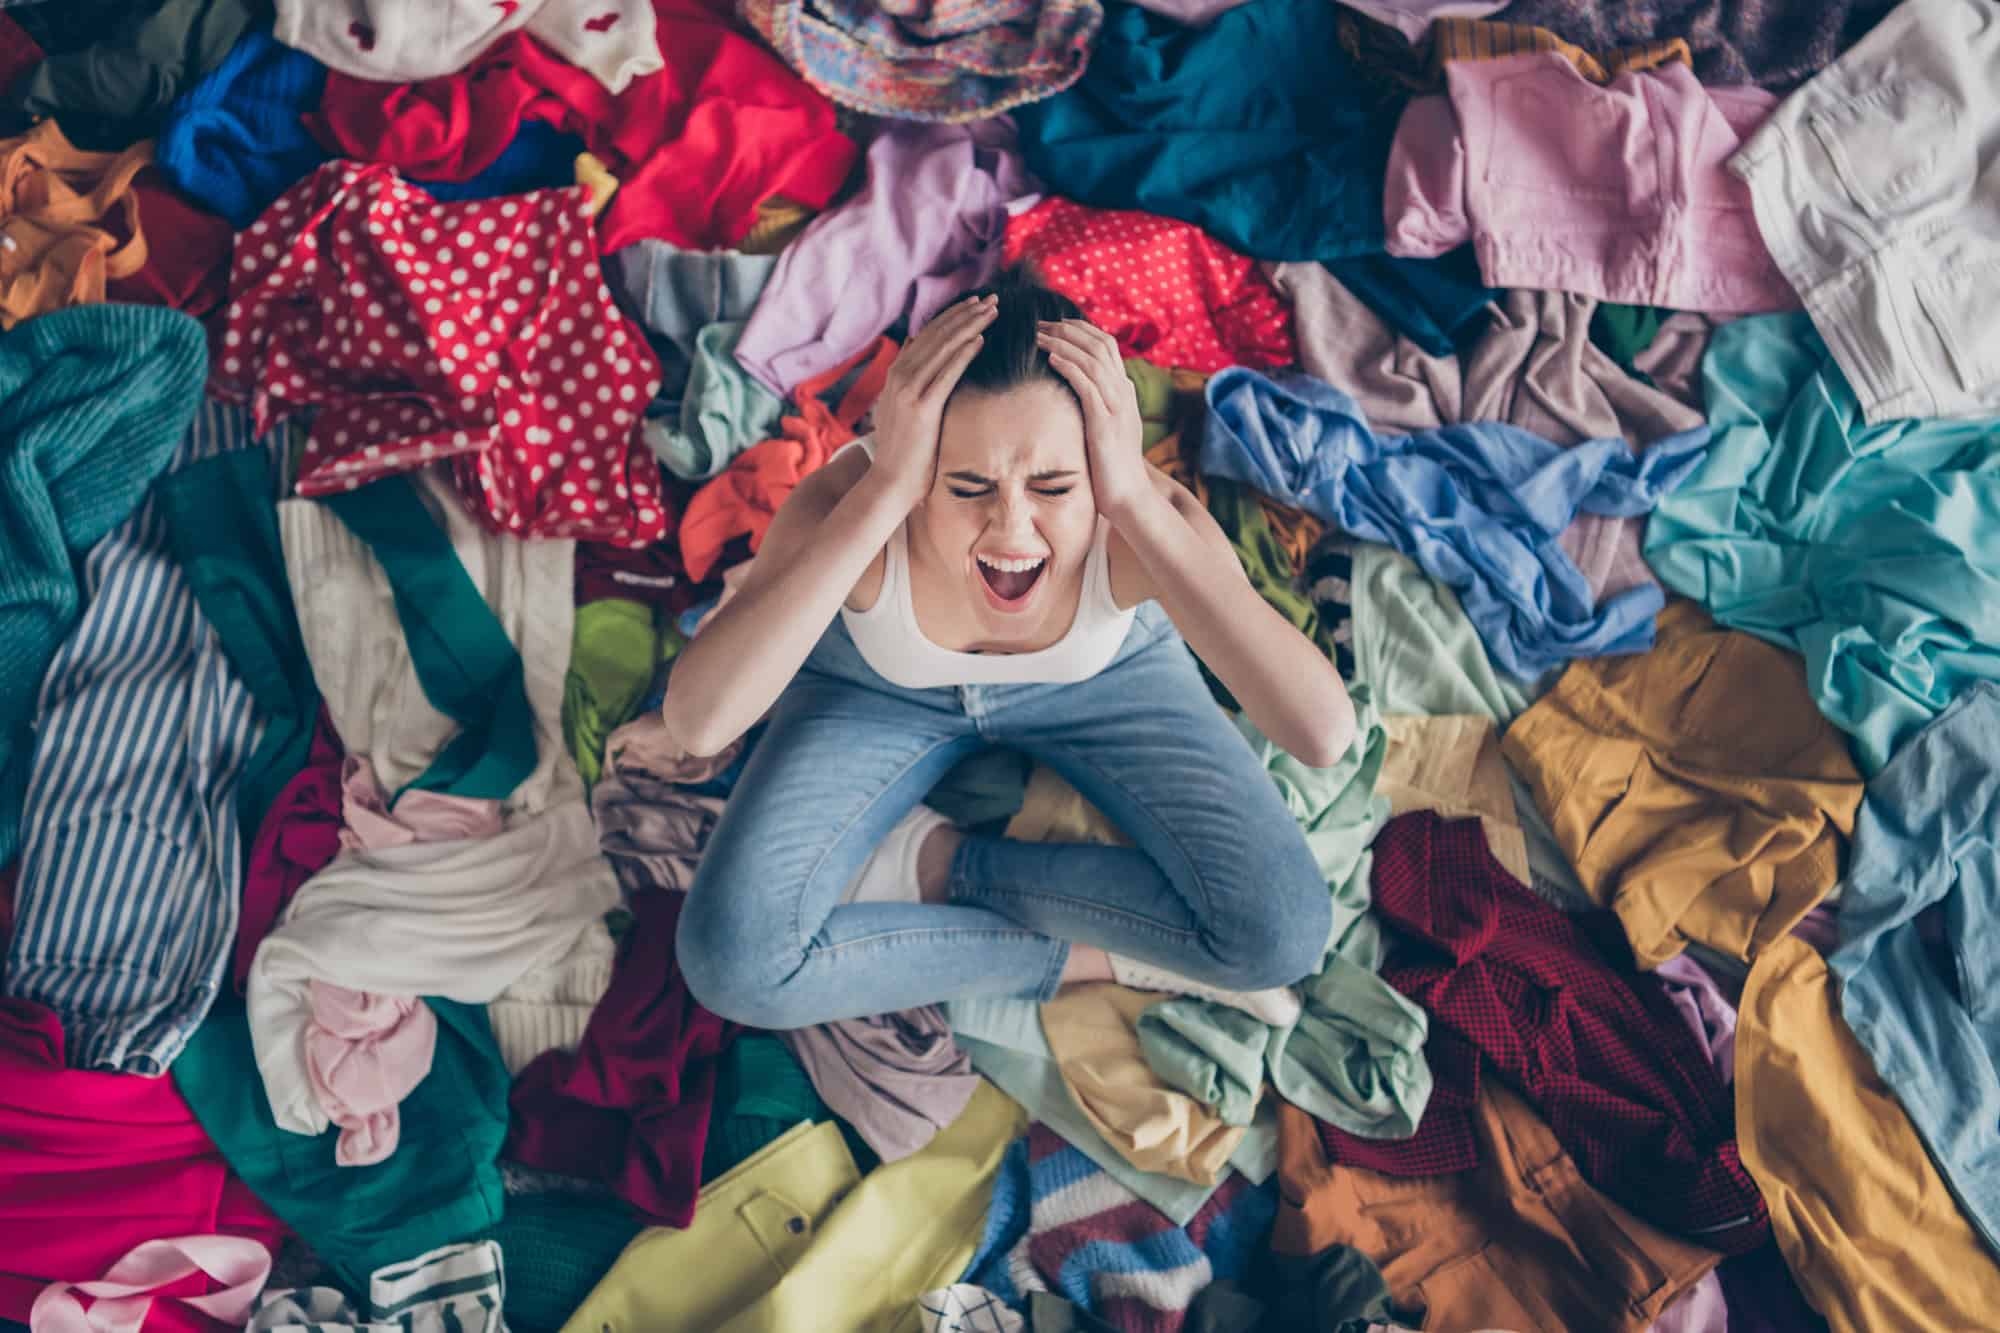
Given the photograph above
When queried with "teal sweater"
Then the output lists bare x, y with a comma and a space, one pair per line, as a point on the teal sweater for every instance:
93, 401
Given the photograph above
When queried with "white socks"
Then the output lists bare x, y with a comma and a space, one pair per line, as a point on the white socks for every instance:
405, 41
889, 875
1279, 1007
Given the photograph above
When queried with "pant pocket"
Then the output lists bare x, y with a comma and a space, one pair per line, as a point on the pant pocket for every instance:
1962, 307
1894, 149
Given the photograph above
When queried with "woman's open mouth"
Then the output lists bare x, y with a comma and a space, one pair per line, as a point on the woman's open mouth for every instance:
1010, 582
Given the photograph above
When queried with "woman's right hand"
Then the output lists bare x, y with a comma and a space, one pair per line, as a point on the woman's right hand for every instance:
911, 408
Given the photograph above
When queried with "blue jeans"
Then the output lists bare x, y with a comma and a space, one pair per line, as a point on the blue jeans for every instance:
1219, 885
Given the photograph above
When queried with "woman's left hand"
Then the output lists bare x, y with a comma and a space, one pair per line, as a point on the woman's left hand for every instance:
1087, 358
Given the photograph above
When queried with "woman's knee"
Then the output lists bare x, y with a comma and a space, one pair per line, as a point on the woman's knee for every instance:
1280, 936
737, 966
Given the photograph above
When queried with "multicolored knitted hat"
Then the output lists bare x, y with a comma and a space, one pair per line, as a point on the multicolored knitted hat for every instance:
947, 60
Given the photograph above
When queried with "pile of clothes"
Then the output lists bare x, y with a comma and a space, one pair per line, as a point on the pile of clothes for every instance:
388, 390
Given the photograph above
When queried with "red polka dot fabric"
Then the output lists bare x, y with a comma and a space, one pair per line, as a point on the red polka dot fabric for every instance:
480, 333
1168, 291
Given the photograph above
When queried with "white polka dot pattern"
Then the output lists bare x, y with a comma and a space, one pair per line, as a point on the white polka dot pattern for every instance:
425, 331
1167, 290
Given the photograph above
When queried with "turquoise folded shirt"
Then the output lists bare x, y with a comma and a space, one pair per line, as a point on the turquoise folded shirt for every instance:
1871, 550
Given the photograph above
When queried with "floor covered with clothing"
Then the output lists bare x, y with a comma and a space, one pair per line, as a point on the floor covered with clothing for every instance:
389, 388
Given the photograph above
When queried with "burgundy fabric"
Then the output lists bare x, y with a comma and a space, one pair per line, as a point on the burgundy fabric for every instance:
187, 252
696, 147
1518, 989
630, 1106
94, 1164
19, 53
653, 574
299, 836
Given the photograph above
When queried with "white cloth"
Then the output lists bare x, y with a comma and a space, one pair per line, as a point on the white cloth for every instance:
361, 661
548, 1009
965, 1308
398, 41
462, 920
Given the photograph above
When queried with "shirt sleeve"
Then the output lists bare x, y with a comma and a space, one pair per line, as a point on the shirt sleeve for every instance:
1423, 204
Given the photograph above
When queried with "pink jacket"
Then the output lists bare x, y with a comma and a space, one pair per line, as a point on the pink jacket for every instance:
1616, 192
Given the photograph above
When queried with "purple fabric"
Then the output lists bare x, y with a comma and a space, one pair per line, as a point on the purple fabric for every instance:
1701, 1309
1820, 928
926, 227
1700, 1000
897, 1078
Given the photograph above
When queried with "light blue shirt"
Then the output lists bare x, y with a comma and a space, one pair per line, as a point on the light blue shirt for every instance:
1928, 833
1479, 506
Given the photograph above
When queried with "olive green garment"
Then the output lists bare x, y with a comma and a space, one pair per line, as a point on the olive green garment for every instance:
613, 654
982, 789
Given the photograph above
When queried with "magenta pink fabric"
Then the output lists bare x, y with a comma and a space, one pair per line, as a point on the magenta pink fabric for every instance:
364, 1054
93, 1165
299, 835
420, 816
630, 1106
1617, 192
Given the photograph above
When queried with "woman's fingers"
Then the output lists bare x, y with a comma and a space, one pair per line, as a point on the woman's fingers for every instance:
946, 379
1081, 377
1089, 357
940, 339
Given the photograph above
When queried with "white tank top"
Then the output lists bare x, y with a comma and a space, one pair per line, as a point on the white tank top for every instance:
892, 643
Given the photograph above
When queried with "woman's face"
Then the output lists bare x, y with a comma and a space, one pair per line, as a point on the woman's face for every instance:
1011, 512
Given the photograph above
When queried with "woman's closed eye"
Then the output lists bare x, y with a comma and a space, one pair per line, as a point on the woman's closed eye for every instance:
981, 492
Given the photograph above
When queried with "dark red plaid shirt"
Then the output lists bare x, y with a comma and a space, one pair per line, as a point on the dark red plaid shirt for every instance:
1549, 1003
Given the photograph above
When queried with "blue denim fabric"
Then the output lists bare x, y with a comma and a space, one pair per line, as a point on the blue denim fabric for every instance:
1219, 886
1929, 833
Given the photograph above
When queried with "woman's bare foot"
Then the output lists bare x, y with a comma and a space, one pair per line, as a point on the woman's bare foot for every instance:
934, 863
1086, 964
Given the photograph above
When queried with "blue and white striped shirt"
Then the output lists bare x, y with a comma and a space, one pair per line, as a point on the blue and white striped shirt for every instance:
131, 864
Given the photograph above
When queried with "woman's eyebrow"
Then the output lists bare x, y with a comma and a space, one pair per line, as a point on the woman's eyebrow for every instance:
1054, 474
970, 478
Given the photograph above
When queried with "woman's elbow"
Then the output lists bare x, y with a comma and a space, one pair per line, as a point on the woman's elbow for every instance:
694, 738
1326, 736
